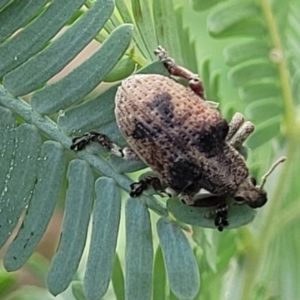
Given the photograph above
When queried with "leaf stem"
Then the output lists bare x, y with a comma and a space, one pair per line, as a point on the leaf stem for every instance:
268, 232
50, 128
290, 119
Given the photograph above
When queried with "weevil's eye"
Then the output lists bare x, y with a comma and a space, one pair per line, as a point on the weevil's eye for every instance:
239, 200
253, 181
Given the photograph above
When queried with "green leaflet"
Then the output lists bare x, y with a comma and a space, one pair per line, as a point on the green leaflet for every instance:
238, 215
179, 260
18, 185
126, 16
118, 279
34, 36
186, 43
245, 50
211, 81
8, 18
138, 252
260, 89
74, 121
159, 276
124, 68
259, 111
8, 281
143, 18
251, 70
124, 11
120, 165
235, 18
8, 128
50, 129
200, 5
165, 20
100, 111
40, 68
79, 200
106, 218
7, 150
51, 165
265, 131
296, 86
3, 3
77, 290
86, 77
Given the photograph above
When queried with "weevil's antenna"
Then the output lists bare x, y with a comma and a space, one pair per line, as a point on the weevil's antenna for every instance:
264, 178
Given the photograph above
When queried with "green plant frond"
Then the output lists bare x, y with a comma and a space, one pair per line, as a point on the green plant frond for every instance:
46, 176
32, 56
256, 65
211, 81
139, 251
21, 150
29, 10
75, 225
181, 266
32, 172
293, 51
43, 66
106, 218
155, 23
3, 3
43, 198
201, 5
77, 290
84, 78
160, 278
201, 216
36, 35
118, 279
235, 18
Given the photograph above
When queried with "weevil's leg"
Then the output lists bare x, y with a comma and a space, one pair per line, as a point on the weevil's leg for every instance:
239, 130
137, 188
81, 142
220, 215
195, 83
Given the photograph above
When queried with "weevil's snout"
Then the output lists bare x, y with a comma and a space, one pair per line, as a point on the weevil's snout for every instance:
258, 199
252, 195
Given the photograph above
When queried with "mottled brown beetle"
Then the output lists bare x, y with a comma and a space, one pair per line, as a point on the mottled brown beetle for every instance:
184, 139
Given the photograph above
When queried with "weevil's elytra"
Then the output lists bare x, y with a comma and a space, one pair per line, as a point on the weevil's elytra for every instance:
184, 139
178, 134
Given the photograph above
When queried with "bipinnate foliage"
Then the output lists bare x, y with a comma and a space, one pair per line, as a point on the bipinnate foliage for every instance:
38, 118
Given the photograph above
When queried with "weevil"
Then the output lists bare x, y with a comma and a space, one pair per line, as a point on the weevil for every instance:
184, 139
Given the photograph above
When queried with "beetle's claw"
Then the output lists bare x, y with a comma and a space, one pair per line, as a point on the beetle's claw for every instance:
221, 220
137, 189
78, 143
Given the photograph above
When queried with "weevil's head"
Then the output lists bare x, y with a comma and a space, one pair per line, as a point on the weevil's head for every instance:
251, 194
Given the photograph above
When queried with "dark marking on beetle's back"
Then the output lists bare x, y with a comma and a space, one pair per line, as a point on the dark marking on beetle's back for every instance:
141, 132
211, 140
223, 128
162, 103
185, 176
